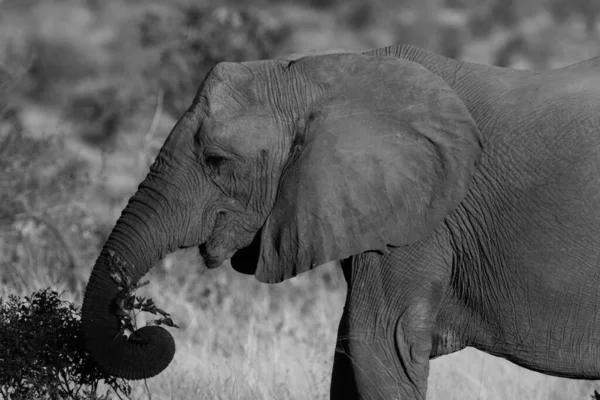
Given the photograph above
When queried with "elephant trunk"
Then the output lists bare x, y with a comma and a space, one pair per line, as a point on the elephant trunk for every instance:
145, 353
142, 236
162, 216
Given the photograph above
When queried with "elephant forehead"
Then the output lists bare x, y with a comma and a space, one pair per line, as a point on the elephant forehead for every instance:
224, 101
242, 133
236, 88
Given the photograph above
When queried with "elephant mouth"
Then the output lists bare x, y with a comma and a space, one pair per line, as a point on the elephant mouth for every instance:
211, 259
243, 260
225, 242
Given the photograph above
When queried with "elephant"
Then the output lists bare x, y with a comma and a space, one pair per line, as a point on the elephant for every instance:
462, 201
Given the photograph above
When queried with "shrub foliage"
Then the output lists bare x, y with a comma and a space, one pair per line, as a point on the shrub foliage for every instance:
42, 354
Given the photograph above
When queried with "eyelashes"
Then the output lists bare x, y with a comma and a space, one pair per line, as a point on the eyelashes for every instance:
215, 160
219, 161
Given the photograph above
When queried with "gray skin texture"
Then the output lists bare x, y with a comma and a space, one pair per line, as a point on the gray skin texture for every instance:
461, 199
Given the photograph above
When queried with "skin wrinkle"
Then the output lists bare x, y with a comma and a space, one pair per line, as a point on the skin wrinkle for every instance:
278, 102
473, 250
132, 220
364, 295
405, 348
142, 220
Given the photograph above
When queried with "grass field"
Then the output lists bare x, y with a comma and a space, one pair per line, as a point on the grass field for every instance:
94, 89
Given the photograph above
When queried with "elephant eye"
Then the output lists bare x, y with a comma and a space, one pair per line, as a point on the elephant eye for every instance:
215, 161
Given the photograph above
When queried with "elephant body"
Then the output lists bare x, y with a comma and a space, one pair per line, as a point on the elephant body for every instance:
514, 270
460, 198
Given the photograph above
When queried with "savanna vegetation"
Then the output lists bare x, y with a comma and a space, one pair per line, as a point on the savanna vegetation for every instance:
88, 92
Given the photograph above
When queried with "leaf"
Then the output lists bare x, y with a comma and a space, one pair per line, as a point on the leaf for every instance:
120, 303
122, 332
122, 313
128, 303
169, 322
151, 310
162, 312
117, 278
141, 284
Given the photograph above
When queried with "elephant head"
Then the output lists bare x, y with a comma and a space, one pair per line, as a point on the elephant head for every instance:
282, 166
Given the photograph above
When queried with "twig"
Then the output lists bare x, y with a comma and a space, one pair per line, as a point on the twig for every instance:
155, 120
147, 389
117, 393
14, 131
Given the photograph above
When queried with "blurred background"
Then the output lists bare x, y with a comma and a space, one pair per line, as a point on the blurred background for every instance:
89, 89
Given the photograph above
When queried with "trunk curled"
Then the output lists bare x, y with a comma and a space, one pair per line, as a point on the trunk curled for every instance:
144, 354
138, 240
159, 218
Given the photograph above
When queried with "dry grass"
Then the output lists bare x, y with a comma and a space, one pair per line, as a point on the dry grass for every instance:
241, 339
91, 112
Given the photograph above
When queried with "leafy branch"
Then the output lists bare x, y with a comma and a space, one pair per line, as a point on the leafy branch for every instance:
129, 306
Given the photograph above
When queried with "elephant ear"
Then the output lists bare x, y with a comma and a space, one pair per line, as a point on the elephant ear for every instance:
385, 153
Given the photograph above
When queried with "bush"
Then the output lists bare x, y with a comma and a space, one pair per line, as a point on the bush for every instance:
42, 352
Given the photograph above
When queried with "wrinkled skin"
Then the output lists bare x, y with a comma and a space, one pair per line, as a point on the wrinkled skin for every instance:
461, 199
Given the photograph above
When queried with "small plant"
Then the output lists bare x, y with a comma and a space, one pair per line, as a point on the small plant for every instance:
42, 354
129, 305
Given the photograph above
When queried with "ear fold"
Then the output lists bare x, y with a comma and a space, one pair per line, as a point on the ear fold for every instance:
388, 153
